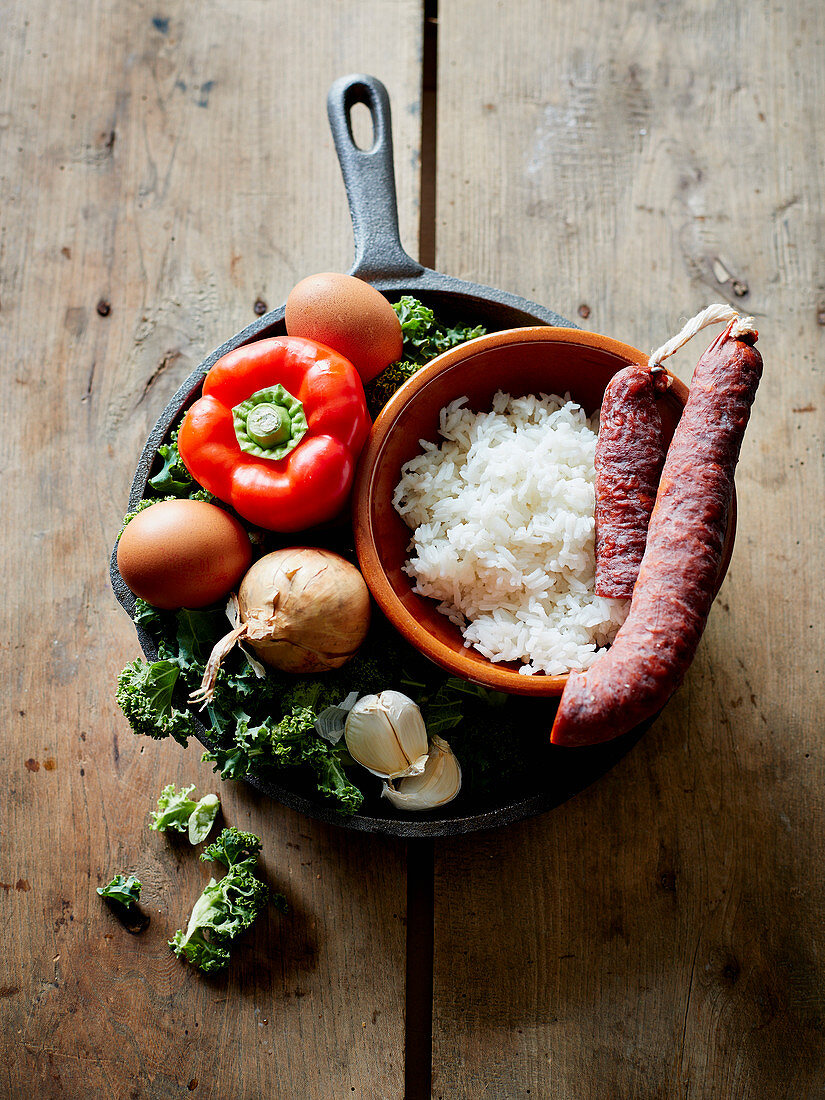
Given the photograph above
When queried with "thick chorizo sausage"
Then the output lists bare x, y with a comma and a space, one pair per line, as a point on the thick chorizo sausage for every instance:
652, 651
630, 451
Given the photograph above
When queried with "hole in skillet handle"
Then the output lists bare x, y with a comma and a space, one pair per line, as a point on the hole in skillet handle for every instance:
363, 112
361, 127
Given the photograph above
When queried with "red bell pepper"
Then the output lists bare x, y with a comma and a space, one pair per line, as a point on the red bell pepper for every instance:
277, 432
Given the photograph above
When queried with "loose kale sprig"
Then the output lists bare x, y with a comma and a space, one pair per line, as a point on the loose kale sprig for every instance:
233, 848
124, 889
228, 907
176, 810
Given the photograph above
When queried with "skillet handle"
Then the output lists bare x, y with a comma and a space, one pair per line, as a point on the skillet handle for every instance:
370, 180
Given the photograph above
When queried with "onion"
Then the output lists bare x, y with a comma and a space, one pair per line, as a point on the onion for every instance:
301, 610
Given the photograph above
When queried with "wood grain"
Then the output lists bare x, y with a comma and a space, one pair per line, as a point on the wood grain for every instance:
661, 934
173, 164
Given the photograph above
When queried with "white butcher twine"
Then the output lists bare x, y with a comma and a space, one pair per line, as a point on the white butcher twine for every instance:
718, 314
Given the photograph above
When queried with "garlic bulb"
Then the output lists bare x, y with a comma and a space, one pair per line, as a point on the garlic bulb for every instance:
439, 783
386, 734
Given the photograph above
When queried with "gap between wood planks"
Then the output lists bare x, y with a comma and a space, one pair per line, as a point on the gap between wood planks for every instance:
418, 1018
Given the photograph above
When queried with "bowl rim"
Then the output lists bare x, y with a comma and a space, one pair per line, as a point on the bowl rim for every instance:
497, 677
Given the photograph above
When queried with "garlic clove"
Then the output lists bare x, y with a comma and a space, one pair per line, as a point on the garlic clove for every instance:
439, 783
386, 734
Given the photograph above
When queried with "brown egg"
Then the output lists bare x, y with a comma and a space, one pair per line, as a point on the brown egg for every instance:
183, 553
348, 315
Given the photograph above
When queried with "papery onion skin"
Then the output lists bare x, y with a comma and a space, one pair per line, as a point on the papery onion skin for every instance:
306, 610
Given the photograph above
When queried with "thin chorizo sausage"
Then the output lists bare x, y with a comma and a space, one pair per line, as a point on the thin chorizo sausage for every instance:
630, 451
652, 651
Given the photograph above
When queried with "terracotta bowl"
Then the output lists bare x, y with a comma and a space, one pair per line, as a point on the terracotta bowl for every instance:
519, 362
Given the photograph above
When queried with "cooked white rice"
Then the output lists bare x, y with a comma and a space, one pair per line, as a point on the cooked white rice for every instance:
503, 518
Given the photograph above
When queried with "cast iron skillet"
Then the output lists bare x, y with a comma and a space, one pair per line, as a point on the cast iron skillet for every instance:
381, 260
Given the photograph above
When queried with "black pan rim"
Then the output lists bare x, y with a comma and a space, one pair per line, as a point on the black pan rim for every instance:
405, 827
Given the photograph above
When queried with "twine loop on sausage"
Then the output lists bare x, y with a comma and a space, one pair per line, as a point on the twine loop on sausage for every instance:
718, 314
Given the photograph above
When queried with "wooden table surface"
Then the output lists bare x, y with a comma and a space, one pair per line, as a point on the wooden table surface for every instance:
163, 168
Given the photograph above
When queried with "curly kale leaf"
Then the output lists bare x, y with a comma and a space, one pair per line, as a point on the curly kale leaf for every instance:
424, 337
238, 687
202, 818
123, 889
290, 742
229, 906
265, 744
306, 694
174, 809
246, 751
193, 946
190, 636
294, 741
226, 908
233, 848
333, 782
149, 617
230, 761
144, 694
173, 479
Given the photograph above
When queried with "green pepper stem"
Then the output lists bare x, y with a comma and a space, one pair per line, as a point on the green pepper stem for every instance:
268, 424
